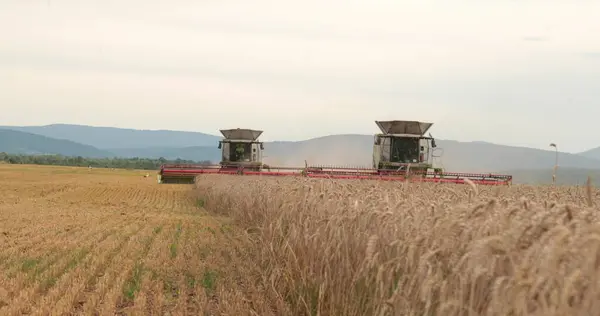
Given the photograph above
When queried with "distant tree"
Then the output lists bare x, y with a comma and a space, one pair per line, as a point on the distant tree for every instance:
79, 161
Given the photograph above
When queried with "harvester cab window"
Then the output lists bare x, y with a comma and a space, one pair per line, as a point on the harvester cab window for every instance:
405, 149
240, 152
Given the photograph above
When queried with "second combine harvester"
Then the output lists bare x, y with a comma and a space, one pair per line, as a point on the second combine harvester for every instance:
400, 152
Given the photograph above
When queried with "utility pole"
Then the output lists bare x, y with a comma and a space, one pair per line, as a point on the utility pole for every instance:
555, 162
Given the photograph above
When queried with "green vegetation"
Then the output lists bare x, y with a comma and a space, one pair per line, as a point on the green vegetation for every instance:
133, 283
173, 246
120, 163
209, 281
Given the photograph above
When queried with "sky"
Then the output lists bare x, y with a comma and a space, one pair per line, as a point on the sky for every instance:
524, 73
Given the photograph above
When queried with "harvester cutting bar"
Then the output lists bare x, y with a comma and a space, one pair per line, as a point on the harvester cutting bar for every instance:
187, 174
227, 171
401, 175
226, 167
341, 170
410, 179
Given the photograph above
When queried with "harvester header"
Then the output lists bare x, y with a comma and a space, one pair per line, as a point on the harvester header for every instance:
400, 153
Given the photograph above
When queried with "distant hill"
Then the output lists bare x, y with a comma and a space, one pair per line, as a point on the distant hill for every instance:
111, 137
198, 153
15, 142
351, 149
592, 153
480, 156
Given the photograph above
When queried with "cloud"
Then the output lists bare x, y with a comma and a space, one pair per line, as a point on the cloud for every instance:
305, 68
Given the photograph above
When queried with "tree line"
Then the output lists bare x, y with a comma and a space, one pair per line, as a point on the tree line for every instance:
79, 161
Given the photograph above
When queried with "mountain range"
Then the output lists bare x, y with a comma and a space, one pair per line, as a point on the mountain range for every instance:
354, 150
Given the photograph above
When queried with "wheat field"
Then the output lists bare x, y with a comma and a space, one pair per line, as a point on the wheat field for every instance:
110, 242
333, 247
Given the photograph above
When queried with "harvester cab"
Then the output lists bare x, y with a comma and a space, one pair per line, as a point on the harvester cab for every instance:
402, 144
241, 148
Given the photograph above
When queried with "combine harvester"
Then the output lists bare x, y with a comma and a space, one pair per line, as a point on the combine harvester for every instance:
241, 152
401, 152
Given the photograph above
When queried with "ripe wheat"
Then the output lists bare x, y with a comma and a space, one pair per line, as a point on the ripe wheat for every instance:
327, 247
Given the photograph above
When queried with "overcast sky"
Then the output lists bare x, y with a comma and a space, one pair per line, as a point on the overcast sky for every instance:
511, 72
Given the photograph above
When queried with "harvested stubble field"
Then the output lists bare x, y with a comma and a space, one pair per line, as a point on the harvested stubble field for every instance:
75, 241
370, 248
